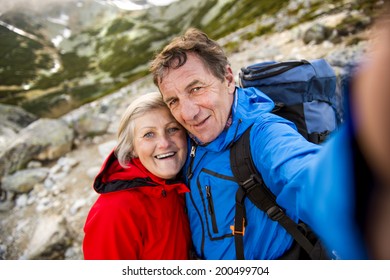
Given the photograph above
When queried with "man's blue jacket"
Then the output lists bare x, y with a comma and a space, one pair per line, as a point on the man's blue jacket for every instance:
279, 152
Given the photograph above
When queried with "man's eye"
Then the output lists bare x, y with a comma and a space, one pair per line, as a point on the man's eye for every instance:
172, 103
195, 89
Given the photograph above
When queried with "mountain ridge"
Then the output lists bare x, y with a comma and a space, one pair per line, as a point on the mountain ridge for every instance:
86, 44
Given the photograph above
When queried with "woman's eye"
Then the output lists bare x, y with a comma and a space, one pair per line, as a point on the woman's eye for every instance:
148, 135
172, 129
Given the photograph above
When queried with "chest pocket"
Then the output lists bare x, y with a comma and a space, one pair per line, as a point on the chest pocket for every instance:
217, 194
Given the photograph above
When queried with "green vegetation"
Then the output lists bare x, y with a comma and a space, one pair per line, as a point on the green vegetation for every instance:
351, 25
200, 12
237, 14
12, 97
73, 67
260, 31
18, 61
59, 102
24, 22
127, 54
119, 25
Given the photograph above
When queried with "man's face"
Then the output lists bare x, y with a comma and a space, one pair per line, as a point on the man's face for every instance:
199, 101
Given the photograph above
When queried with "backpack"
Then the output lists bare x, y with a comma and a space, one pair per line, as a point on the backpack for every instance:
304, 92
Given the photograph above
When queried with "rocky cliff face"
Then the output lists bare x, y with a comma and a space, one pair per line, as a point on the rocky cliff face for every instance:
47, 165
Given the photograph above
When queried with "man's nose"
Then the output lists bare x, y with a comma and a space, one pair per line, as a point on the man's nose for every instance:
188, 110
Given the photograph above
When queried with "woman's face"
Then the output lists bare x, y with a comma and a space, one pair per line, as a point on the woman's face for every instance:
160, 143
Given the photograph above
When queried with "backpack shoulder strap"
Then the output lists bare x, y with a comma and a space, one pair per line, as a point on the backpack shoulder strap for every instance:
252, 185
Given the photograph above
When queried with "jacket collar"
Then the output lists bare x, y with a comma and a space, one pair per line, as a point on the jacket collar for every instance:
248, 105
113, 177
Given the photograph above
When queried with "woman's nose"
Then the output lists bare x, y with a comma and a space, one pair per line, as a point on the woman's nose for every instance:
164, 141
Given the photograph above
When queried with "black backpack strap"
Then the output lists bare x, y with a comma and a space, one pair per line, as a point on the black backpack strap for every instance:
252, 185
318, 138
239, 224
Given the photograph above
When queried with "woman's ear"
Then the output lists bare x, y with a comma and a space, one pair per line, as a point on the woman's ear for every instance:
133, 154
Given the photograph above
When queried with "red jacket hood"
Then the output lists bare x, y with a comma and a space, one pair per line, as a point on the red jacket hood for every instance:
113, 177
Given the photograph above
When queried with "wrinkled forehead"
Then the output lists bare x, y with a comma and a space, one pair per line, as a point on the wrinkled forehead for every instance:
181, 79
174, 61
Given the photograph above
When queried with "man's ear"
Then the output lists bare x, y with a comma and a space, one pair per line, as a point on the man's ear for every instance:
230, 77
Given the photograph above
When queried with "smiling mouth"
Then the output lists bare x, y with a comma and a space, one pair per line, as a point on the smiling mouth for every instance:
166, 155
202, 122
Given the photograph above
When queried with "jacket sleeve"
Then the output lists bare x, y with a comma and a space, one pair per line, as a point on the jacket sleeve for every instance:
313, 183
281, 155
328, 201
112, 230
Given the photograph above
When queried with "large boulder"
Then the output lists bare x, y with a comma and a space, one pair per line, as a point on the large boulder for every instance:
43, 140
12, 120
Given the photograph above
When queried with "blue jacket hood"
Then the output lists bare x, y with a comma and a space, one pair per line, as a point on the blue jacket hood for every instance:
248, 105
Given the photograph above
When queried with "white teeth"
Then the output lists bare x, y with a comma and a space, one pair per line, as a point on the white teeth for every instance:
165, 155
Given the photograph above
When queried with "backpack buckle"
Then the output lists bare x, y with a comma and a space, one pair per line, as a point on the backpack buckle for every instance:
275, 213
237, 232
250, 183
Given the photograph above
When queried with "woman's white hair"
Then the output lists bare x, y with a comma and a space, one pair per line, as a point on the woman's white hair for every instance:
138, 107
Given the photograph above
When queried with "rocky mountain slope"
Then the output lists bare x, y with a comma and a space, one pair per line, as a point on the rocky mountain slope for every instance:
47, 166
64, 54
